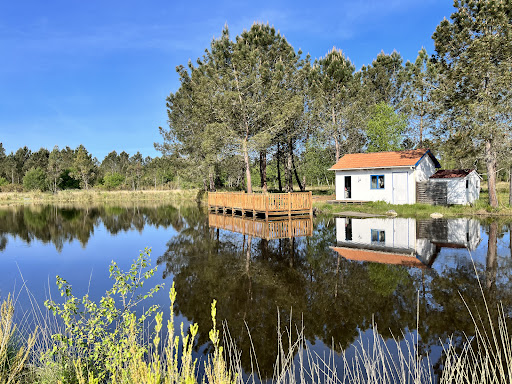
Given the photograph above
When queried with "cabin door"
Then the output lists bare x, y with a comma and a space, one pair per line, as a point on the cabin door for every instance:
400, 188
348, 187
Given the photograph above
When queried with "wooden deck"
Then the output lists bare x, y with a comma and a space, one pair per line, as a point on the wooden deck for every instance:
267, 204
265, 229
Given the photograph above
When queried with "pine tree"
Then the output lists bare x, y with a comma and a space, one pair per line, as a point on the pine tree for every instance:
474, 60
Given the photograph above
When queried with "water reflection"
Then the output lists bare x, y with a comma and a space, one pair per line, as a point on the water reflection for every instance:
403, 241
255, 278
58, 225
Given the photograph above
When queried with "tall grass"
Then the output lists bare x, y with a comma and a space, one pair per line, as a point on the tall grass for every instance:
486, 357
12, 355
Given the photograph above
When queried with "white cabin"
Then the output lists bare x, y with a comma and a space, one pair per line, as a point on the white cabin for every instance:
383, 176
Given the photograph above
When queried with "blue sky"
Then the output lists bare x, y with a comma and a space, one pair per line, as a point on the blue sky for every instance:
97, 72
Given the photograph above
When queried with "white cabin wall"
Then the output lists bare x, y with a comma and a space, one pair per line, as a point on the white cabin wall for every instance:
474, 187
361, 185
457, 193
425, 169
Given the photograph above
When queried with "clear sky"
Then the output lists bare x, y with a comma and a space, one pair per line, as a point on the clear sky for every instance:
97, 72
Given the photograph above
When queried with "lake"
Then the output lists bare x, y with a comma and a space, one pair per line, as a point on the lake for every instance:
336, 277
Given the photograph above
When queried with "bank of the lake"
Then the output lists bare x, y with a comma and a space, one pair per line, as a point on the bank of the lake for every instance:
480, 208
98, 196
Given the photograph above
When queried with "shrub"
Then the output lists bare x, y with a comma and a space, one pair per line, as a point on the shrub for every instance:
113, 181
103, 344
35, 178
3, 181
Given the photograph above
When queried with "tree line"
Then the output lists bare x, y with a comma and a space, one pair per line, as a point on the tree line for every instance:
253, 107
69, 168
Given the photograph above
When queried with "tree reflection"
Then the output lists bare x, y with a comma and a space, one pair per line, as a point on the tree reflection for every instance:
253, 280
63, 224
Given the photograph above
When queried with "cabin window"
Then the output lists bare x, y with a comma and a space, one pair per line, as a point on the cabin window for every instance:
378, 236
377, 182
467, 184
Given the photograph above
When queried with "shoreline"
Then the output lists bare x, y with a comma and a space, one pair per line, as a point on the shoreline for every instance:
320, 204
96, 196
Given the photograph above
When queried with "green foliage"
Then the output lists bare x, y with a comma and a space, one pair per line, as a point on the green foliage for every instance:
102, 342
113, 180
97, 332
385, 129
35, 179
3, 181
83, 167
474, 61
316, 162
68, 182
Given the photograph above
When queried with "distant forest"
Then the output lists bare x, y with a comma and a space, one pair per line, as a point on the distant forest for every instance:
69, 168
253, 111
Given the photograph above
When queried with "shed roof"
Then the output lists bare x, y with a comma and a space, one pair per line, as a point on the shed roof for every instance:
408, 158
451, 173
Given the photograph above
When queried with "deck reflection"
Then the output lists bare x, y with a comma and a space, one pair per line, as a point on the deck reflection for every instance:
264, 229
409, 242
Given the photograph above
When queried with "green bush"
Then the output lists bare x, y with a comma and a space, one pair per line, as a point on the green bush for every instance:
3, 181
102, 340
113, 181
35, 179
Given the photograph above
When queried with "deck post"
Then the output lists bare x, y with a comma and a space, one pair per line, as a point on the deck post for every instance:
311, 203
266, 205
289, 204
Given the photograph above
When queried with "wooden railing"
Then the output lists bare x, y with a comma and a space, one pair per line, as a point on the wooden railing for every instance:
268, 203
274, 229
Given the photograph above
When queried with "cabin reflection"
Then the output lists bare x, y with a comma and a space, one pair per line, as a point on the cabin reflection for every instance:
409, 242
264, 229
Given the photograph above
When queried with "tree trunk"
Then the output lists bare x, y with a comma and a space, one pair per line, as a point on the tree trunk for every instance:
335, 134
247, 165
491, 261
279, 167
289, 173
263, 170
490, 162
301, 186
510, 188
211, 178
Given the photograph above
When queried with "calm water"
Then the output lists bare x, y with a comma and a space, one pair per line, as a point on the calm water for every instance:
346, 274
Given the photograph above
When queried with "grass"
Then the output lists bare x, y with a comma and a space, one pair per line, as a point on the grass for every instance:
96, 196
480, 208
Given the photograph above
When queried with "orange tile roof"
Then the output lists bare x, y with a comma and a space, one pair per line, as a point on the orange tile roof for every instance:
382, 159
379, 257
